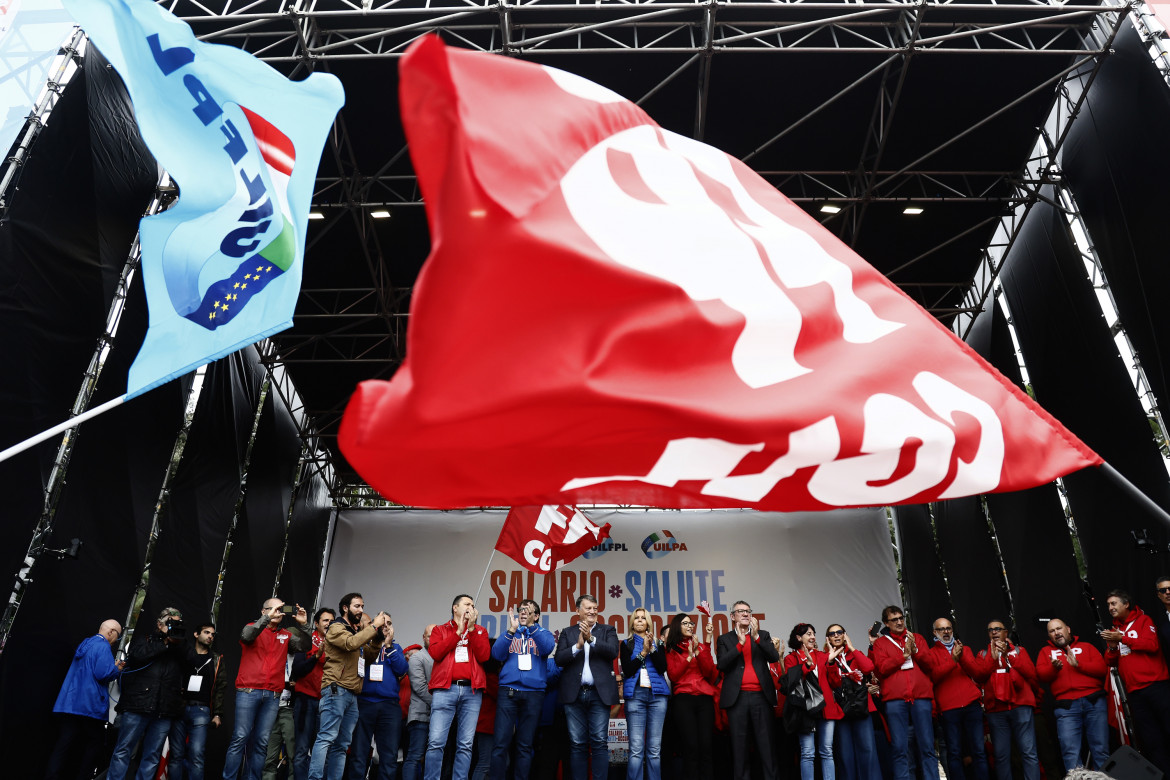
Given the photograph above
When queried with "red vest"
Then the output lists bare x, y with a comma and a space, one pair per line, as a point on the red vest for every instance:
262, 661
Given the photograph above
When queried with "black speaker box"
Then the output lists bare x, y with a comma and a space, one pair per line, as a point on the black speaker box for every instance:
1127, 764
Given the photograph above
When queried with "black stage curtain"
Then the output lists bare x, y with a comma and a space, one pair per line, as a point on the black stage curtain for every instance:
1078, 376
922, 580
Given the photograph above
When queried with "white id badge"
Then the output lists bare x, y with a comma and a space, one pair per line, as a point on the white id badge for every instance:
524, 662
643, 678
908, 664
375, 673
361, 667
194, 683
461, 656
1123, 648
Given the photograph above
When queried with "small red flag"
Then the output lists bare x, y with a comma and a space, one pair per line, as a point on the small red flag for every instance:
545, 538
613, 313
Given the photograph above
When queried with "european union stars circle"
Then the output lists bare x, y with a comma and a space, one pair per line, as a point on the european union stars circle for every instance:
228, 297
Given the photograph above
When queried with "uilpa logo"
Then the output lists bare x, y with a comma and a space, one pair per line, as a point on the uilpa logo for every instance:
661, 543
607, 546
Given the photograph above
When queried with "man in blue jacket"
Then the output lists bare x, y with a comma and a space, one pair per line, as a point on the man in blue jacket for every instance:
523, 651
379, 710
84, 704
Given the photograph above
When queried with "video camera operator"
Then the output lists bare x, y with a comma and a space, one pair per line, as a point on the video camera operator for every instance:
152, 694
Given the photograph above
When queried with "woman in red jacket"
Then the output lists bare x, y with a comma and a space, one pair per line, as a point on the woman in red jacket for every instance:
817, 742
855, 742
691, 667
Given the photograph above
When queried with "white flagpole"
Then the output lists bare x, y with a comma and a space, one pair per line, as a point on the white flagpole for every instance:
485, 571
16, 449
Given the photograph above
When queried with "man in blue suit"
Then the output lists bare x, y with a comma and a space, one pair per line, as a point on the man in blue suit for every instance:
585, 653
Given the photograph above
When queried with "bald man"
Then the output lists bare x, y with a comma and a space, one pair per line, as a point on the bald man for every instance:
84, 704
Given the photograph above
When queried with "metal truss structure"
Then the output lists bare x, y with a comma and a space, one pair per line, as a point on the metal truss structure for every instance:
855, 110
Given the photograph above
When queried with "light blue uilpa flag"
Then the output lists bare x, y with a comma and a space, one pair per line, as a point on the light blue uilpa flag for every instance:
222, 267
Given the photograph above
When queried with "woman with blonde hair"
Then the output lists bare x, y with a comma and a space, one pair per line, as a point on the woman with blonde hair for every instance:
646, 693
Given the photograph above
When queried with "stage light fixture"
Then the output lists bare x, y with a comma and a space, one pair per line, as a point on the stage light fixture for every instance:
912, 211
829, 208
382, 214
316, 215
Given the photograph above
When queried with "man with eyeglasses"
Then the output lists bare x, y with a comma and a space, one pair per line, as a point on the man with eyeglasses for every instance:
1008, 677
900, 657
1075, 673
748, 694
960, 710
1132, 646
522, 651
1162, 619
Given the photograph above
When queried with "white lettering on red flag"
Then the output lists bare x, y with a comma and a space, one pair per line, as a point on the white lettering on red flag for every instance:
545, 538
613, 313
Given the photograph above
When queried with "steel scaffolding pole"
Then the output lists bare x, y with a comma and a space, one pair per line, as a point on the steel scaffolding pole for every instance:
298, 479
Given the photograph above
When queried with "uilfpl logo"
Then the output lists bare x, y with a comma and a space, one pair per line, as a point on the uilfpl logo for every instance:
603, 548
661, 543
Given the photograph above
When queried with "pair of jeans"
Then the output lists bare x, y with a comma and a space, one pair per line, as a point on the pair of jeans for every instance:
483, 755
305, 720
457, 701
416, 747
153, 731
188, 741
339, 713
645, 714
822, 736
858, 751
1014, 725
588, 720
255, 714
1083, 720
900, 714
964, 724
517, 716
381, 721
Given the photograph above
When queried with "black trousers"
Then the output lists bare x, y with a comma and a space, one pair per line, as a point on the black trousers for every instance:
751, 714
1150, 707
694, 722
79, 742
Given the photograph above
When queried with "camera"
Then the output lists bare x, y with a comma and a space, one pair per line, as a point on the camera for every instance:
175, 628
288, 609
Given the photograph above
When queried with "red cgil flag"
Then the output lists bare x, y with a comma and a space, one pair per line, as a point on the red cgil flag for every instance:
613, 313
545, 538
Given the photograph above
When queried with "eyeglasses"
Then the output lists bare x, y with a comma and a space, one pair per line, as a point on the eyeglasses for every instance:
741, 612
1164, 590
898, 619
835, 633
686, 623
527, 611
995, 629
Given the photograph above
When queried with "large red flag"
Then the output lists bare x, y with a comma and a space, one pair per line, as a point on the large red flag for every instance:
613, 313
545, 538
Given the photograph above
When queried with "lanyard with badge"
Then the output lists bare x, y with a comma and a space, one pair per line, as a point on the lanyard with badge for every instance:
524, 659
1122, 647
377, 670
461, 656
909, 662
195, 681
643, 673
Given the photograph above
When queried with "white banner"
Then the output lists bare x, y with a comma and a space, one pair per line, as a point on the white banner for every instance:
819, 568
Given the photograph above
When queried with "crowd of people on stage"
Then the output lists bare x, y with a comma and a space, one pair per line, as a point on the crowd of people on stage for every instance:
327, 697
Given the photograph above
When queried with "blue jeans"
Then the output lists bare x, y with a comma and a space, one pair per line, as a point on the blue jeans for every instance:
645, 714
1083, 720
588, 722
188, 740
899, 715
339, 714
381, 720
134, 726
305, 720
1014, 724
483, 755
822, 735
416, 747
959, 725
517, 712
255, 714
858, 751
457, 701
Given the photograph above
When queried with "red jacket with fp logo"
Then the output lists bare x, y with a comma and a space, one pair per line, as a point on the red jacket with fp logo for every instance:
1144, 663
1072, 682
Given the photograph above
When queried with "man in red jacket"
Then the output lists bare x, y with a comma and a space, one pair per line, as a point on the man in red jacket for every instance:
1132, 646
1075, 673
307, 670
900, 657
265, 645
1008, 674
459, 647
958, 698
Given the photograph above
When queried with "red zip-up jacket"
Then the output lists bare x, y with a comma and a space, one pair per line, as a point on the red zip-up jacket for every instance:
1017, 666
695, 677
444, 639
1144, 664
829, 678
860, 665
953, 683
310, 684
1072, 682
900, 684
